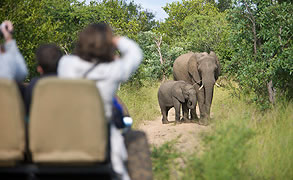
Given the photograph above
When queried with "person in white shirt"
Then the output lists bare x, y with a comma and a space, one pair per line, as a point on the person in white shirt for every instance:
12, 64
94, 58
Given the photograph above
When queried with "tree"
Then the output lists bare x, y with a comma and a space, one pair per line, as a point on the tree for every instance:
59, 21
197, 26
158, 55
224, 4
262, 47
177, 13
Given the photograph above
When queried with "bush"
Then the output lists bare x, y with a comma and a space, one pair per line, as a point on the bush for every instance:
225, 154
261, 38
164, 160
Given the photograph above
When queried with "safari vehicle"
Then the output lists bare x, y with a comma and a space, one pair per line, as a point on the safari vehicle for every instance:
67, 136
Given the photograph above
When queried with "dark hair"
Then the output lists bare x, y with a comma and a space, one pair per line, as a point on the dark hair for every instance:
48, 56
95, 43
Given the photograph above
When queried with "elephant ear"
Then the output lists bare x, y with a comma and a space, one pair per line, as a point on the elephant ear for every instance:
177, 92
193, 69
213, 54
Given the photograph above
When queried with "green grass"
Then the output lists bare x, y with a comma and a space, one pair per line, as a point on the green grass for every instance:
271, 156
268, 152
141, 102
244, 142
164, 160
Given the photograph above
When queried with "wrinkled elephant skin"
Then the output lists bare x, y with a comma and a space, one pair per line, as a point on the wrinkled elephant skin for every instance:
174, 94
200, 70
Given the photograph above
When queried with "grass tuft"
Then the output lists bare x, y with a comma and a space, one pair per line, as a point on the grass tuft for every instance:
141, 102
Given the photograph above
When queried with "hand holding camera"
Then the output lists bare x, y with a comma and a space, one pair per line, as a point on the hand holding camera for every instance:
6, 29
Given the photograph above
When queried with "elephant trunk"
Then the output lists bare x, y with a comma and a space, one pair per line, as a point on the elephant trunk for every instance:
191, 102
208, 91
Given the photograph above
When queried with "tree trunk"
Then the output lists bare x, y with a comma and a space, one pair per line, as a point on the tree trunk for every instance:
158, 43
271, 91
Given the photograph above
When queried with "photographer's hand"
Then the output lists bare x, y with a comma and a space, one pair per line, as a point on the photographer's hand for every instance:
6, 29
115, 40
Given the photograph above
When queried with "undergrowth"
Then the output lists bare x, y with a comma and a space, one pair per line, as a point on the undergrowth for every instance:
164, 160
244, 143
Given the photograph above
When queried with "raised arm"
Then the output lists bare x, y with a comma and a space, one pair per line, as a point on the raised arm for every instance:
16, 59
131, 57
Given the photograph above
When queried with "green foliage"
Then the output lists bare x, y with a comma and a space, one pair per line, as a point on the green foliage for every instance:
163, 160
261, 38
178, 12
228, 149
271, 155
224, 4
59, 21
197, 26
38, 22
151, 67
204, 33
253, 39
226, 145
125, 18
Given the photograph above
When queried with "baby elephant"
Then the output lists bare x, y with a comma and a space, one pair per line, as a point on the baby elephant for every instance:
172, 94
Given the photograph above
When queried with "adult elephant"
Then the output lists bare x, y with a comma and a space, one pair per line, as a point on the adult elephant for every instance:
201, 70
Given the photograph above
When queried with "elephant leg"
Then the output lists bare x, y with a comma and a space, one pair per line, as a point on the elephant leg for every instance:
185, 112
177, 111
193, 114
167, 111
164, 111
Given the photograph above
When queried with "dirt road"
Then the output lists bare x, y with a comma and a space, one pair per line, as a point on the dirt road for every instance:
188, 134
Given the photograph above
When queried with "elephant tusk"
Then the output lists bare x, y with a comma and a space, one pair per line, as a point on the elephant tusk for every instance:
200, 87
218, 85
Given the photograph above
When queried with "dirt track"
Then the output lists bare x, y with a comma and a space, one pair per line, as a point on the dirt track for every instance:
188, 134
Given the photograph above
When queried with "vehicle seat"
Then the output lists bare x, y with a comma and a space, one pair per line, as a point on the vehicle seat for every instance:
12, 133
67, 122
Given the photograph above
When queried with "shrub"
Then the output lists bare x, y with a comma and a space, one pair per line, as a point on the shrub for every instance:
164, 159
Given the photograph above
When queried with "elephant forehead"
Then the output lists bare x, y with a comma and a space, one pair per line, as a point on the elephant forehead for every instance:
208, 63
190, 88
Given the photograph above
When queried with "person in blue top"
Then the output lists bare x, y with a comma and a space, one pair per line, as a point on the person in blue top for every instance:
12, 64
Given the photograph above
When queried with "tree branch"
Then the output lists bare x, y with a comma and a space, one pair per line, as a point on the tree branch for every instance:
158, 42
252, 19
64, 49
